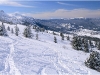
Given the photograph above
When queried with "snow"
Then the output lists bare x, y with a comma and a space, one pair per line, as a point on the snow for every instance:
24, 56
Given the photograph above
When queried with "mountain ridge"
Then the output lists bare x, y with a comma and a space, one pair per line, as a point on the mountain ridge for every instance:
59, 25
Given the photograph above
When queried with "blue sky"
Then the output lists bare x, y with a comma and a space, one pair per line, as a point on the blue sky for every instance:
52, 9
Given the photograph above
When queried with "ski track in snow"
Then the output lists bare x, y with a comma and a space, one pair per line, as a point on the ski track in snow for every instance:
10, 68
11, 64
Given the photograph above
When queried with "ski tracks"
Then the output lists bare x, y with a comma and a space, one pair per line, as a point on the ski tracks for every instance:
10, 68
68, 67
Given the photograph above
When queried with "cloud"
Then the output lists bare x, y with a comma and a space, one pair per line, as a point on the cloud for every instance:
62, 13
62, 3
11, 3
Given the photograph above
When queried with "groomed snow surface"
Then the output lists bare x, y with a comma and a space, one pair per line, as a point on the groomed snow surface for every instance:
24, 56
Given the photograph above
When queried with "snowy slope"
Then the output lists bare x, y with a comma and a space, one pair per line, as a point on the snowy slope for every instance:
23, 56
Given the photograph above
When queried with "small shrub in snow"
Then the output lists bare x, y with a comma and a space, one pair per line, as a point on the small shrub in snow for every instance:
93, 61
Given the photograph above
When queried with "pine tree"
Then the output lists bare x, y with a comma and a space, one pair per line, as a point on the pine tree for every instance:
8, 28
75, 42
37, 36
68, 38
93, 61
98, 46
96, 43
37, 29
3, 31
55, 39
16, 30
27, 32
83, 43
12, 30
91, 44
53, 33
62, 36
79, 43
86, 46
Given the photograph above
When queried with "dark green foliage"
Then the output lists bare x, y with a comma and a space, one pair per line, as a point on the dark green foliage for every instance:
93, 61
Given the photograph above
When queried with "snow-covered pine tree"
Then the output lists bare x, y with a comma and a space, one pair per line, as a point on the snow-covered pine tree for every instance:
42, 29
68, 38
79, 43
62, 36
55, 39
8, 28
3, 31
91, 43
54, 33
83, 43
37, 29
16, 30
12, 31
37, 37
86, 46
75, 42
93, 61
96, 43
98, 46
27, 32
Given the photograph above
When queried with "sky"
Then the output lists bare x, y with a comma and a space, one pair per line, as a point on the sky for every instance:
46, 9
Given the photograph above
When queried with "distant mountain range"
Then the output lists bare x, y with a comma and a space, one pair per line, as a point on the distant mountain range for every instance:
60, 25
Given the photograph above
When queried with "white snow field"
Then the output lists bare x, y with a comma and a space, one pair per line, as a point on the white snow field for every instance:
24, 56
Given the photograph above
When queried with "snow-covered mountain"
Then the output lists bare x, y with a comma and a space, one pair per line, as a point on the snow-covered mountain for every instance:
16, 18
25, 20
24, 56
